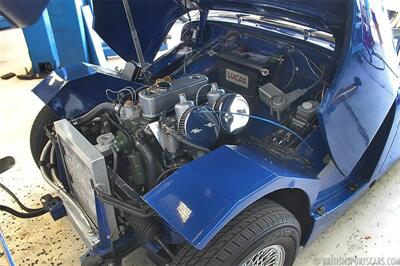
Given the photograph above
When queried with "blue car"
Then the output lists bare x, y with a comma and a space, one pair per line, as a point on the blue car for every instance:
236, 147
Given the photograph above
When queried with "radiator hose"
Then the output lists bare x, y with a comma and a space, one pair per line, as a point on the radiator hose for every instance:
149, 160
96, 111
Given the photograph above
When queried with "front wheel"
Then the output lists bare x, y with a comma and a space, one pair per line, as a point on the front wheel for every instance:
38, 138
263, 234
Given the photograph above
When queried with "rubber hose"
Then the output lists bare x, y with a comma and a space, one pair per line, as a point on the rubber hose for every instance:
22, 206
149, 161
166, 172
190, 144
21, 214
89, 116
115, 166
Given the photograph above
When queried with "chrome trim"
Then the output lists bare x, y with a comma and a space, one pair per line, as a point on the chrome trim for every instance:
268, 256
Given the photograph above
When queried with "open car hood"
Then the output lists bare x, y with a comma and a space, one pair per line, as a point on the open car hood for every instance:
21, 13
153, 19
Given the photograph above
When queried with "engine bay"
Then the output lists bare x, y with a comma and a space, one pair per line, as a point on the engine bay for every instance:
245, 98
259, 118
236, 90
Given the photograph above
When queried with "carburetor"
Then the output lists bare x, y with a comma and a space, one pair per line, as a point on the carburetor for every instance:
201, 125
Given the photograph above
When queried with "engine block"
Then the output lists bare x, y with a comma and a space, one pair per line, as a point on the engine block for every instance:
163, 96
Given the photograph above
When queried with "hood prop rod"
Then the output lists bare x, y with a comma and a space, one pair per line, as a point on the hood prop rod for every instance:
134, 34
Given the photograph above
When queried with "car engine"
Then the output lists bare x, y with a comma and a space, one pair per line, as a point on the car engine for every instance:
174, 119
161, 127
142, 135
166, 127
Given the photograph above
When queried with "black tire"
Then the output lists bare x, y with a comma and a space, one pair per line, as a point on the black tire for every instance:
263, 224
38, 138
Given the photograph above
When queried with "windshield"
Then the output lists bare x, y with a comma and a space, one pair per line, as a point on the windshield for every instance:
279, 25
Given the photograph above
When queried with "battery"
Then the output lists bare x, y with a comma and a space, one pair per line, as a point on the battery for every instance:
244, 73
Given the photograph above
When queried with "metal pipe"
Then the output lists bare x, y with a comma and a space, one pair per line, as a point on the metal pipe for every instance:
119, 204
190, 144
134, 34
53, 168
166, 249
43, 155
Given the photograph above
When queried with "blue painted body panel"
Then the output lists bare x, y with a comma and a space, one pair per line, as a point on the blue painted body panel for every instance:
96, 51
74, 90
204, 195
22, 13
5, 24
391, 153
352, 115
338, 208
153, 24
350, 120
111, 24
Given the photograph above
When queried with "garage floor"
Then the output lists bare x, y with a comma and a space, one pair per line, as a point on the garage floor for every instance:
369, 229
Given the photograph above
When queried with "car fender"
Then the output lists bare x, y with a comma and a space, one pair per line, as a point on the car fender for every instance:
204, 195
74, 90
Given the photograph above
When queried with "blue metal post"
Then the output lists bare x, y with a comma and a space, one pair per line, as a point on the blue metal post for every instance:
41, 44
69, 31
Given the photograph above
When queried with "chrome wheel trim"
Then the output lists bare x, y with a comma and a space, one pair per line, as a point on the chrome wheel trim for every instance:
268, 256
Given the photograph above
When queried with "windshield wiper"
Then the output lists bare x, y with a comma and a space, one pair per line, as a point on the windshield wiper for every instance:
308, 33
277, 22
240, 17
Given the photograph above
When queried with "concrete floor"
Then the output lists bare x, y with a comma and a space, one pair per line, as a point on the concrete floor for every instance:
369, 229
